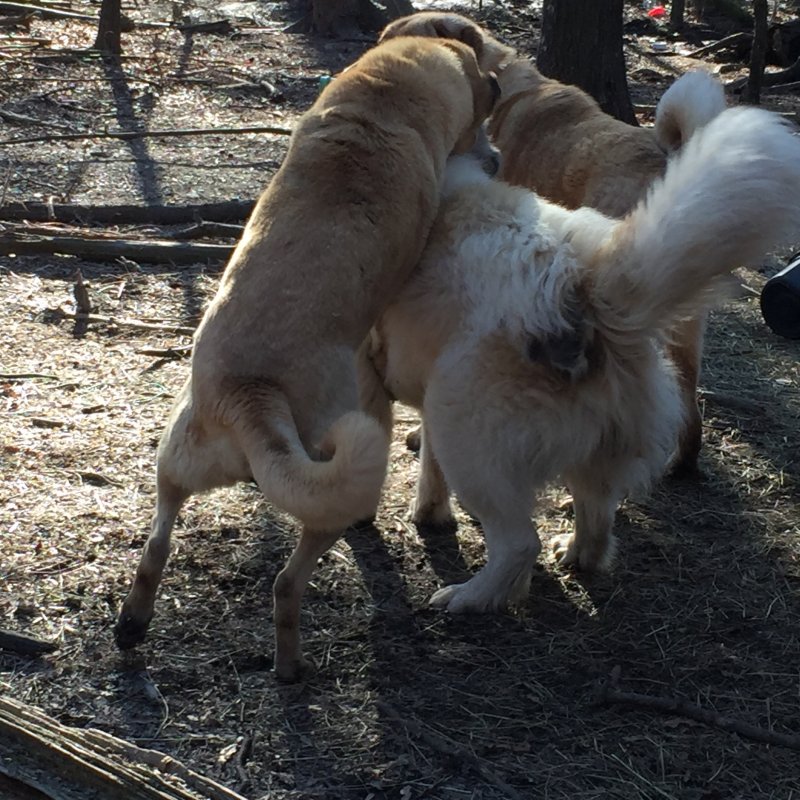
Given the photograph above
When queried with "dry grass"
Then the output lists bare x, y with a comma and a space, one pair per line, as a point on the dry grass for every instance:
704, 602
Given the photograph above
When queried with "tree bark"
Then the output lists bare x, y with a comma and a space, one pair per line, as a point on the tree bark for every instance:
582, 45
109, 29
752, 92
348, 17
676, 14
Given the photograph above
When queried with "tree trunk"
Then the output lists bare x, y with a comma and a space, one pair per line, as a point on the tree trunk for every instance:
752, 92
582, 45
350, 17
676, 14
109, 29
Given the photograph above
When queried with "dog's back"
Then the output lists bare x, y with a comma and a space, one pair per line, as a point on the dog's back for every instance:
557, 141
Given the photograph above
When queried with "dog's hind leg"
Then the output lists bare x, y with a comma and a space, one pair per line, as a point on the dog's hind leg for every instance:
288, 590
432, 503
190, 460
592, 545
137, 608
686, 351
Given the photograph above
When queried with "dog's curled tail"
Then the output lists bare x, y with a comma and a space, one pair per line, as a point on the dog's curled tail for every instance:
729, 196
689, 104
328, 494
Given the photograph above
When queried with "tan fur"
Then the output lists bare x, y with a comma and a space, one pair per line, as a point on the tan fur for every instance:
492, 55
556, 140
273, 392
540, 355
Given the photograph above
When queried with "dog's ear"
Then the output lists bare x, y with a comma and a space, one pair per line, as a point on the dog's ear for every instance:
462, 31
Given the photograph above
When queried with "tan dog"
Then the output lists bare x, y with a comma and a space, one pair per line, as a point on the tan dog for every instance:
530, 338
556, 140
492, 55
273, 392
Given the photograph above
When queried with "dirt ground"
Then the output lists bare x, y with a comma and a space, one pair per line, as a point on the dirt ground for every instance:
704, 602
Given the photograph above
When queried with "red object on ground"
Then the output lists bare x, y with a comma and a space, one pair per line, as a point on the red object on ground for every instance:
657, 11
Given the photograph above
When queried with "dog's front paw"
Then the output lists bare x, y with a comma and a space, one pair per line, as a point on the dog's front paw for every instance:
476, 597
597, 556
455, 599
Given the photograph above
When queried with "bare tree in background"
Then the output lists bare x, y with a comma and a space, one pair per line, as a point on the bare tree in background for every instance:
676, 14
109, 29
582, 45
344, 17
752, 92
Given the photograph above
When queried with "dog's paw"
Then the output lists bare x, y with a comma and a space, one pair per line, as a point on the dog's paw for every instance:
470, 598
296, 670
130, 630
597, 557
414, 439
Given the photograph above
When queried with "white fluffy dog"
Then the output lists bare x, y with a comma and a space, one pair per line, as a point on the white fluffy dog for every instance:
531, 338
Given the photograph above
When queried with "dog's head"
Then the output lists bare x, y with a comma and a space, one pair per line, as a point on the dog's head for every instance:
485, 94
490, 53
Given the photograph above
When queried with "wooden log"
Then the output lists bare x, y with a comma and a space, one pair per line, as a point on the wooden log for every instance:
86, 764
152, 251
46, 13
228, 211
23, 644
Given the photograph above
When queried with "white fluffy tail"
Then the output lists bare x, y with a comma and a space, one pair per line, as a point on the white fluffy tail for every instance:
688, 105
728, 197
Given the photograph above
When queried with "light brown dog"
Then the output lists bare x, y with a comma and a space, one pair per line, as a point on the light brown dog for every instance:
273, 392
555, 139
530, 339
492, 54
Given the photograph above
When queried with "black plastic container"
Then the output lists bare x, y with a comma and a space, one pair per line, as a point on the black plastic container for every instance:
780, 300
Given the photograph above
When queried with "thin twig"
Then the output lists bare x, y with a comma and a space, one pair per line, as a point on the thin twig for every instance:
608, 694
136, 324
71, 137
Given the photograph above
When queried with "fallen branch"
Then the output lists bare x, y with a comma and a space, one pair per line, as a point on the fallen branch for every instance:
23, 20
731, 401
47, 13
231, 210
608, 694
73, 763
222, 26
721, 44
71, 137
23, 119
153, 251
23, 644
181, 351
770, 79
136, 324
449, 748
781, 88
208, 230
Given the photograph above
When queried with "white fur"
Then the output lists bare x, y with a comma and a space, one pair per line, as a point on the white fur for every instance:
689, 104
507, 276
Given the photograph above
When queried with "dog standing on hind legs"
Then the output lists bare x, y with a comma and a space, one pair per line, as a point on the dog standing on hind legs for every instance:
542, 356
273, 393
